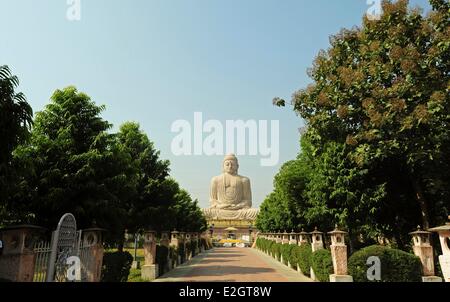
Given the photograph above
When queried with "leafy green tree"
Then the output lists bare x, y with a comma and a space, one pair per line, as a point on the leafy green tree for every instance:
158, 203
375, 155
383, 90
15, 123
74, 166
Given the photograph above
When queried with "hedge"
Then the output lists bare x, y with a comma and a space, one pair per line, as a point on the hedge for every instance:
276, 250
396, 265
322, 265
162, 252
304, 256
173, 254
286, 250
116, 266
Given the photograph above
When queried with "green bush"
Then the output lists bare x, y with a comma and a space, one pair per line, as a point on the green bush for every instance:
293, 258
304, 256
193, 247
116, 266
162, 252
322, 265
396, 265
286, 250
182, 252
276, 250
173, 254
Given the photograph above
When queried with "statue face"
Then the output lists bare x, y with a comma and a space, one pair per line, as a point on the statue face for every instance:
230, 166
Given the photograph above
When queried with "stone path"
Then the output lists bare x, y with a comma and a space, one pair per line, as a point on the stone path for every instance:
233, 265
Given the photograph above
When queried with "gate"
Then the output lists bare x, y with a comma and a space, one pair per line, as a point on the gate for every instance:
64, 245
51, 257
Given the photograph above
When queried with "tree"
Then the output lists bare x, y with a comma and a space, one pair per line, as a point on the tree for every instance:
383, 90
74, 166
375, 155
158, 202
15, 122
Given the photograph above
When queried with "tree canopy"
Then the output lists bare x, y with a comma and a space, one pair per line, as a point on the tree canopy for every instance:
376, 151
117, 181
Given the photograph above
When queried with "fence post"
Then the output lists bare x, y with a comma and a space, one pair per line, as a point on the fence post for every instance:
339, 255
18, 259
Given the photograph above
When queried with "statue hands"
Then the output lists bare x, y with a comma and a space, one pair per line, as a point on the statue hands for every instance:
233, 207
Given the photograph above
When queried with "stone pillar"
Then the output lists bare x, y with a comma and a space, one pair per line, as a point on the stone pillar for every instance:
317, 240
303, 238
316, 244
175, 243
187, 245
285, 238
444, 238
339, 256
293, 238
422, 248
182, 245
18, 258
278, 238
94, 239
149, 271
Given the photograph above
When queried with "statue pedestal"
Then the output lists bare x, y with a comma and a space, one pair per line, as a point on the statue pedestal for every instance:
242, 228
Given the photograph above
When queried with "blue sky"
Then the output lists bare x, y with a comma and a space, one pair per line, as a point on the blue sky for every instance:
157, 61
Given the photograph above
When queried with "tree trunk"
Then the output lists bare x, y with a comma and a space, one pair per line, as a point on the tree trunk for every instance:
420, 197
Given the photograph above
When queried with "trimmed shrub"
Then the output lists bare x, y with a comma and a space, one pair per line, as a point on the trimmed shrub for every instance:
276, 251
293, 258
173, 254
286, 250
304, 256
396, 265
182, 252
116, 266
194, 245
162, 252
322, 264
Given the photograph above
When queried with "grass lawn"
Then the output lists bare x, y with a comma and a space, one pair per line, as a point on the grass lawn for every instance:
135, 276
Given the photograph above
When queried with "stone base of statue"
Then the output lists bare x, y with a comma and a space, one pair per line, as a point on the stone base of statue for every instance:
232, 224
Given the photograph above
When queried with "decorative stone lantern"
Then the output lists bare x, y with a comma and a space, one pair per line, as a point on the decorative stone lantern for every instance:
293, 238
444, 238
317, 240
278, 238
424, 250
316, 244
174, 238
285, 238
303, 238
339, 256
165, 240
150, 269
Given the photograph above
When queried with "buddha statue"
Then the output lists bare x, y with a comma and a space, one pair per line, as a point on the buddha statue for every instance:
230, 194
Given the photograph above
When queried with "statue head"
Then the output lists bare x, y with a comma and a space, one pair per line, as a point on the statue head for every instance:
230, 164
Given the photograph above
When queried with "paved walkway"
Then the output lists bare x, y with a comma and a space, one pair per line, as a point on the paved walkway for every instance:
233, 265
